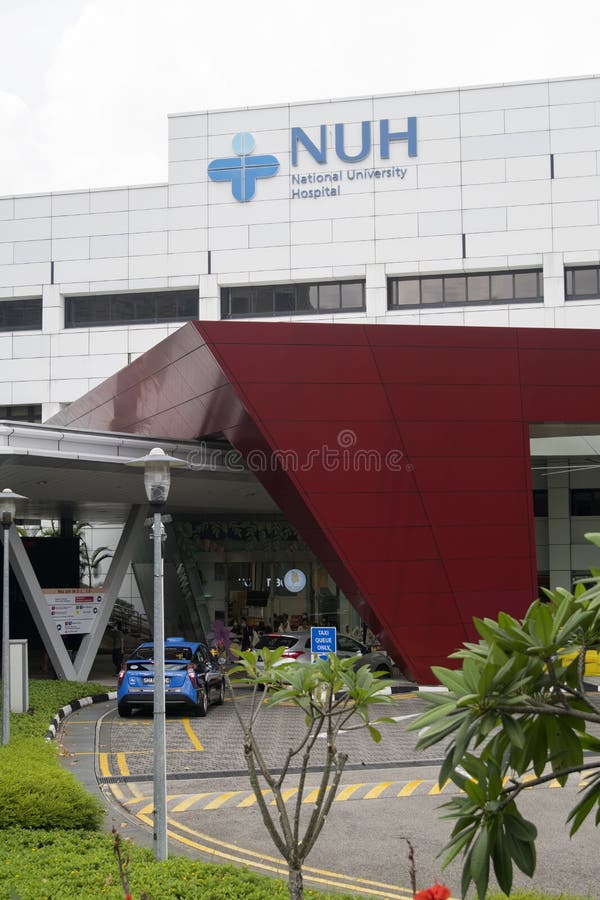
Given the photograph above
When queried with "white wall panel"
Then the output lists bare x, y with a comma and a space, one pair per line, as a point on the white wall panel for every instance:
33, 207
153, 197
83, 226
71, 204
483, 171
109, 201
504, 96
90, 270
440, 223
24, 229
505, 242
70, 248
109, 245
30, 345
188, 240
7, 208
529, 118
573, 165
6, 254
24, 274
566, 214
148, 242
31, 251
275, 235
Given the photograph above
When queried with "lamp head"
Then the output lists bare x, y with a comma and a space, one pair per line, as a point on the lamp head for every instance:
8, 505
157, 475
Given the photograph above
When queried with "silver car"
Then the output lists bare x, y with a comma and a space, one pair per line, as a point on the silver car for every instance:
297, 648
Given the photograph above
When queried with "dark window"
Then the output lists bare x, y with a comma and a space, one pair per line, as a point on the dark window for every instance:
21, 315
131, 309
540, 503
523, 286
22, 412
582, 283
585, 502
292, 299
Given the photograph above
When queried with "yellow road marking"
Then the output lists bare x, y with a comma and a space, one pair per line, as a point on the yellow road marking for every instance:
436, 789
251, 799
103, 763
193, 737
409, 788
285, 795
554, 783
189, 801
117, 792
346, 882
312, 797
377, 790
122, 764
222, 798
347, 792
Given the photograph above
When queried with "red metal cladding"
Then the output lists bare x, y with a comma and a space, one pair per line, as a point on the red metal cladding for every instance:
401, 453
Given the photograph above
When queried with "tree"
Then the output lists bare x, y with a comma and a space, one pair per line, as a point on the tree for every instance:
333, 696
515, 717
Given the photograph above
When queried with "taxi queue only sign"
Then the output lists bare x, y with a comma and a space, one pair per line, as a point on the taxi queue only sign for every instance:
322, 642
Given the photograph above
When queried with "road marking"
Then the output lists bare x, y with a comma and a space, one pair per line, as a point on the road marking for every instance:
122, 764
409, 788
347, 792
377, 790
104, 767
268, 863
313, 795
117, 792
436, 789
251, 799
189, 801
222, 798
285, 795
192, 736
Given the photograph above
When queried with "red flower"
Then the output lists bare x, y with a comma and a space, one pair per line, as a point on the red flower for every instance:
435, 892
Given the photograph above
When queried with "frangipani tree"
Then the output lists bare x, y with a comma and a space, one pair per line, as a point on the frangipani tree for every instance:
333, 697
516, 716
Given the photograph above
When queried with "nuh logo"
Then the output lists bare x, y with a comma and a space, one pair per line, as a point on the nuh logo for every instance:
243, 170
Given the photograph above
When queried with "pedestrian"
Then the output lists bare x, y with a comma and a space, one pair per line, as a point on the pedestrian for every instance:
118, 648
247, 635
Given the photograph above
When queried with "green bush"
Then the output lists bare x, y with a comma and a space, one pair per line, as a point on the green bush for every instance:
35, 791
57, 865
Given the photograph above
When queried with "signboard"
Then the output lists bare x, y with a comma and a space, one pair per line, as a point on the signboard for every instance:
73, 611
322, 641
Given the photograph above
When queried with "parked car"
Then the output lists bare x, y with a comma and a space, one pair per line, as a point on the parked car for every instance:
193, 678
297, 648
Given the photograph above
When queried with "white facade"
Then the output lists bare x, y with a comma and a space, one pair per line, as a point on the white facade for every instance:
504, 177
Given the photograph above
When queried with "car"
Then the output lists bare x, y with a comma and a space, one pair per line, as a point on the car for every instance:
297, 648
193, 679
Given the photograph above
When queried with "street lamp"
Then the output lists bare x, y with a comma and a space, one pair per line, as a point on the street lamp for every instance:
8, 508
157, 480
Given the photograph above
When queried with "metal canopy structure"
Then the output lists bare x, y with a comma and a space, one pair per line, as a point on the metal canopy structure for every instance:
82, 476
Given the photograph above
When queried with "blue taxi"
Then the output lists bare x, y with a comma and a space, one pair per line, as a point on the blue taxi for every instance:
193, 679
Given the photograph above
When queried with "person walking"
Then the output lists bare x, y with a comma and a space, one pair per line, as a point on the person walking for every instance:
118, 648
247, 635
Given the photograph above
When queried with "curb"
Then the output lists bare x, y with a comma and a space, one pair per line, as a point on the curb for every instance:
72, 707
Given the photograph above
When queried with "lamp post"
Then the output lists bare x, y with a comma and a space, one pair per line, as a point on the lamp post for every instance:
157, 480
8, 507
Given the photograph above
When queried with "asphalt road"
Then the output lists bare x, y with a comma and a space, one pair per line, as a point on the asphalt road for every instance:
388, 792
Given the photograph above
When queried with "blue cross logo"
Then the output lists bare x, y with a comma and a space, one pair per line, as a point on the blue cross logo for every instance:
243, 170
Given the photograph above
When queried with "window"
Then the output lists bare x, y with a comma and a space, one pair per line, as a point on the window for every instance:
22, 413
525, 286
582, 283
292, 299
585, 502
92, 310
540, 503
21, 315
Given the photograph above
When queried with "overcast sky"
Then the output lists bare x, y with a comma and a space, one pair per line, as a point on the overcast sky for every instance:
86, 85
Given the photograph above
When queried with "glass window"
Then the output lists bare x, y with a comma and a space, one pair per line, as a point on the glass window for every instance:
478, 288
127, 309
263, 301
526, 285
502, 286
540, 503
307, 298
585, 502
432, 290
406, 292
352, 295
329, 296
455, 289
585, 282
485, 287
21, 315
282, 299
22, 412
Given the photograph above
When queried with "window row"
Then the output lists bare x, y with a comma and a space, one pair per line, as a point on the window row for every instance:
582, 283
584, 502
291, 299
21, 315
22, 412
144, 307
523, 286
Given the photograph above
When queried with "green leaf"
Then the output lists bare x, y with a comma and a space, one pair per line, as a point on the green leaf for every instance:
375, 734
580, 812
514, 731
479, 863
523, 854
503, 868
450, 678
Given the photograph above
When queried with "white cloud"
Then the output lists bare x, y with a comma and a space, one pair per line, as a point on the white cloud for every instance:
97, 113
